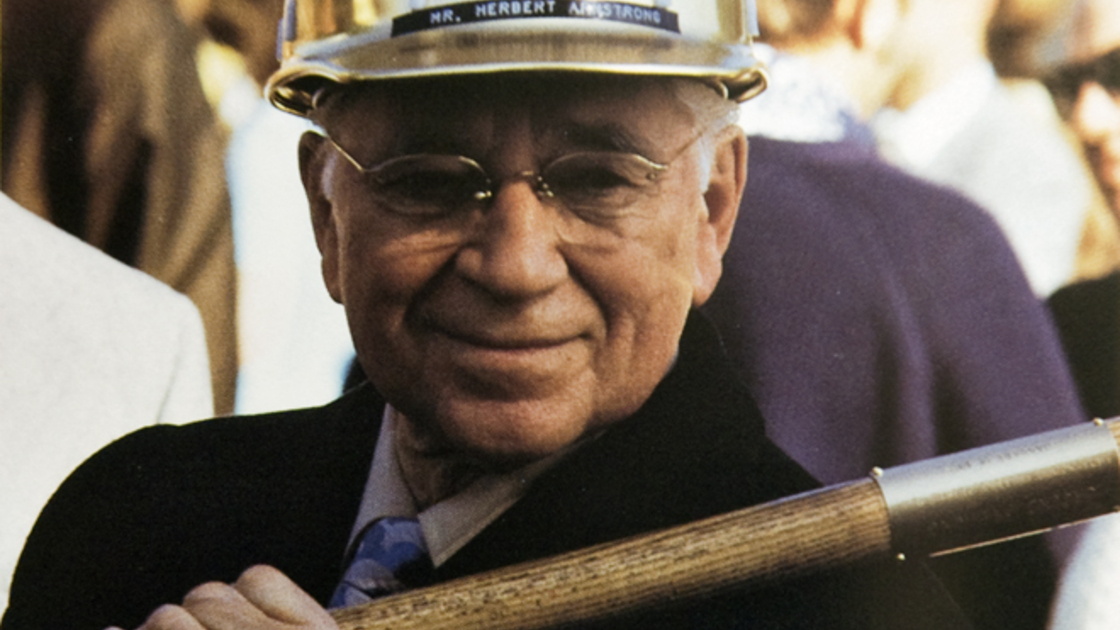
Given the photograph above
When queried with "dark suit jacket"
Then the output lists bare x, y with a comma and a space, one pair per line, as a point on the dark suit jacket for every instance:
169, 508
1088, 318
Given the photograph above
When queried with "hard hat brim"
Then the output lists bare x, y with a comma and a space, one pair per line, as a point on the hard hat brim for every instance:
484, 49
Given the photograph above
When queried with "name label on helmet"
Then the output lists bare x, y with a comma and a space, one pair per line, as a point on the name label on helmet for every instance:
468, 12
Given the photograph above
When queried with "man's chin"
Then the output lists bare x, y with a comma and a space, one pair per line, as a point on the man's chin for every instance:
510, 433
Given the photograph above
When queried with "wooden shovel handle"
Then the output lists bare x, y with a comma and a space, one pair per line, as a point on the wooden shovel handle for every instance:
819, 530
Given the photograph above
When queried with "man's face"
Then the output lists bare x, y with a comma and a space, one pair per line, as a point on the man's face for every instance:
508, 329
1094, 112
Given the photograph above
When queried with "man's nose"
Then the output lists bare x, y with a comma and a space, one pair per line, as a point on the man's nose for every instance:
515, 251
1096, 114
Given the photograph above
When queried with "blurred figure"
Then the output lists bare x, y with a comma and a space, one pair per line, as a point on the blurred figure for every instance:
1025, 37
877, 318
89, 351
951, 120
107, 134
1087, 91
295, 346
294, 343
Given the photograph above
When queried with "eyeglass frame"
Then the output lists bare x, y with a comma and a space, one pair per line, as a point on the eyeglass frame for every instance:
1065, 83
535, 177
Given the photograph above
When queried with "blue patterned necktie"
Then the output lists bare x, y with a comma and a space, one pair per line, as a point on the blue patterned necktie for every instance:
392, 556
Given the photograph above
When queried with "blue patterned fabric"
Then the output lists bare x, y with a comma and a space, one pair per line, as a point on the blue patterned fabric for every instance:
392, 556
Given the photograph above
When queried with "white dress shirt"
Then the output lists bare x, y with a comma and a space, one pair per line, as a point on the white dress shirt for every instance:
800, 104
454, 521
914, 138
976, 135
1088, 595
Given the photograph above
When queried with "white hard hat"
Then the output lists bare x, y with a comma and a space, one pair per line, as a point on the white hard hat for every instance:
341, 41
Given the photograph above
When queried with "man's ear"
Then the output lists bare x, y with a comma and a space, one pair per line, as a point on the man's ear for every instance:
726, 183
313, 171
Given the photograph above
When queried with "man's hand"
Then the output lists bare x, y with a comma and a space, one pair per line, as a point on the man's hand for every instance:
262, 598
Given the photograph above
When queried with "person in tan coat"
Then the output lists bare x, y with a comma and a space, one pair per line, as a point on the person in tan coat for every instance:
107, 134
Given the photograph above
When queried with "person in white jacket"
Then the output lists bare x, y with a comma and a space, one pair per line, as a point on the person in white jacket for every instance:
90, 349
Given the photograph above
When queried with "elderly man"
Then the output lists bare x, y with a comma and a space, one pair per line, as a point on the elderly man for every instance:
519, 227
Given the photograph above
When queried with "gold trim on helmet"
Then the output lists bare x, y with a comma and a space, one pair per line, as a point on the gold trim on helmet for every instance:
342, 41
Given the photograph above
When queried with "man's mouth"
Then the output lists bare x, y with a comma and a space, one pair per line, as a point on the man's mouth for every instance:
496, 333
510, 342
516, 356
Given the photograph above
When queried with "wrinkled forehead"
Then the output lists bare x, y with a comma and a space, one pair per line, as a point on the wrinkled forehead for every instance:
1097, 29
633, 111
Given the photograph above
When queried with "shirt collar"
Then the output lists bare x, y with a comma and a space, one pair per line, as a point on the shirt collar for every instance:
800, 104
453, 522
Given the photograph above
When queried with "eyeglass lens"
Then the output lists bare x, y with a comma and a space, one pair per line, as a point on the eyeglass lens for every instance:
594, 185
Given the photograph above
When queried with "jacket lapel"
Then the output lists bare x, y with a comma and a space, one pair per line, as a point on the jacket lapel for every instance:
696, 449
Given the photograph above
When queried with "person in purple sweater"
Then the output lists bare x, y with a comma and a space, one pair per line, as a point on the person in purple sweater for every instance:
878, 319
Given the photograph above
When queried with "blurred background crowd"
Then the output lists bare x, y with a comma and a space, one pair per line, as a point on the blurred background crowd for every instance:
139, 128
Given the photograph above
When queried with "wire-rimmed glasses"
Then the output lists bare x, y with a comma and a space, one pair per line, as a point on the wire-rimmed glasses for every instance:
594, 185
